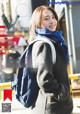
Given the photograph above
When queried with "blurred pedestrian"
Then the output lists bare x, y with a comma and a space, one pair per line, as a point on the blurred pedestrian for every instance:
18, 39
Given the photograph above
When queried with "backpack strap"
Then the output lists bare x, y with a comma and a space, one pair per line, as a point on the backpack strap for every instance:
44, 39
47, 40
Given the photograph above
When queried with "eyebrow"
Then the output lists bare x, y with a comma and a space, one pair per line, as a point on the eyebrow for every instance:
49, 16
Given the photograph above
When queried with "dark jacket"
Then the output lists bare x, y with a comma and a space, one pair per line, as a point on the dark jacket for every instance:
54, 95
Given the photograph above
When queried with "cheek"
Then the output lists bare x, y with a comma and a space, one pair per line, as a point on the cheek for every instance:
43, 25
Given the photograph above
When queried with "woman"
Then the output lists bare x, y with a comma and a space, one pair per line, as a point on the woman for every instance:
54, 94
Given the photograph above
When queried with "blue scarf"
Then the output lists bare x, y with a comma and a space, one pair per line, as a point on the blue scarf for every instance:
57, 37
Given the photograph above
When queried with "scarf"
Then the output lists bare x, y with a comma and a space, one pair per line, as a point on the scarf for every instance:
57, 37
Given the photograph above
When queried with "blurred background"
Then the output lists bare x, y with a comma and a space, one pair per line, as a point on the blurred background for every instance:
14, 33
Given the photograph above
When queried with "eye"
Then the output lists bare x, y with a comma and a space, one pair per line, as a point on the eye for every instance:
53, 17
46, 18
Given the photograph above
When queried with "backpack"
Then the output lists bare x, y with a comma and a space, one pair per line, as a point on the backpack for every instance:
26, 87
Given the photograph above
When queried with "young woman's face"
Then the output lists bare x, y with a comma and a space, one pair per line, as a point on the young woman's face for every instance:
48, 20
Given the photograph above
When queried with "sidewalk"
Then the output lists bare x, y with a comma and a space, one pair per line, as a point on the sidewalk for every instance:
18, 108
76, 109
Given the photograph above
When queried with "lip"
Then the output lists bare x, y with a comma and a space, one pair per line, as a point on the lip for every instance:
52, 26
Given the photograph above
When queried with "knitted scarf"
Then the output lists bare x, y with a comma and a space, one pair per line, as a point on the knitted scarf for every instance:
57, 37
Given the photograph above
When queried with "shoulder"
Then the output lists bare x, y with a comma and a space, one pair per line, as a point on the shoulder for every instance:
41, 45
42, 40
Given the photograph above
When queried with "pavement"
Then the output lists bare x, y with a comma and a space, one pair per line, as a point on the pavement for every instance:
76, 102
18, 108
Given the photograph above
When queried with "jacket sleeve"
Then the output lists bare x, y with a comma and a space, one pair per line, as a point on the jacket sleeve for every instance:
45, 77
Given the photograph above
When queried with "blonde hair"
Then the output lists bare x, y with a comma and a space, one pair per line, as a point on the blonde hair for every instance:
35, 21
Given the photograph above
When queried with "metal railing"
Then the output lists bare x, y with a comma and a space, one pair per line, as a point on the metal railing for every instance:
74, 76
6, 85
76, 91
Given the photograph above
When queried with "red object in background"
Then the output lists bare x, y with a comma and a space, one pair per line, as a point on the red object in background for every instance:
3, 35
1, 53
2, 26
4, 43
7, 94
15, 40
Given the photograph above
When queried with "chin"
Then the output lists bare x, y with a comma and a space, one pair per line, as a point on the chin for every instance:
52, 30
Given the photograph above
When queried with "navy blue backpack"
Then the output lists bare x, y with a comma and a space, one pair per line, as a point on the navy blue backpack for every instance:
26, 87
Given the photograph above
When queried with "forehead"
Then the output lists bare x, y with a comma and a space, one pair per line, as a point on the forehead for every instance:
47, 12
